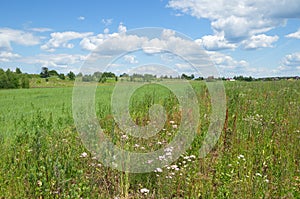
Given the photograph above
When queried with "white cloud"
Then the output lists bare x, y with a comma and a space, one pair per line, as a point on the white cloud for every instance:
58, 61
259, 41
225, 61
291, 60
122, 28
215, 42
81, 18
239, 20
106, 31
295, 35
131, 59
41, 29
9, 36
107, 22
61, 39
8, 56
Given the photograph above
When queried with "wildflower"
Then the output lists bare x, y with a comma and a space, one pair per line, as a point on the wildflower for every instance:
169, 149
125, 137
143, 148
168, 154
136, 145
159, 143
144, 191
267, 181
158, 170
192, 156
161, 157
174, 166
149, 161
39, 183
83, 155
258, 174
172, 122
174, 126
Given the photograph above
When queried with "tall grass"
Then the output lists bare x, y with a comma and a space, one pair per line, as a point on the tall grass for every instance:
257, 155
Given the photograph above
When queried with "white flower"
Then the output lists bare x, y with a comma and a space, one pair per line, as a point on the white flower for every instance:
159, 143
258, 174
136, 145
169, 149
267, 181
172, 122
83, 155
161, 157
149, 161
125, 137
144, 191
168, 154
158, 170
192, 156
174, 166
39, 183
174, 126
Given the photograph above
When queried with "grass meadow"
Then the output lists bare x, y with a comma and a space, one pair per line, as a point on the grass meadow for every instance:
256, 156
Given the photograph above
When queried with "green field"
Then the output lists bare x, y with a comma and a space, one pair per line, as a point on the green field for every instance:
257, 154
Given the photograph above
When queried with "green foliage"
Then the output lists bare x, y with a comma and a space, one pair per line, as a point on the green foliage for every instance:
257, 155
71, 75
61, 76
44, 73
24, 82
9, 79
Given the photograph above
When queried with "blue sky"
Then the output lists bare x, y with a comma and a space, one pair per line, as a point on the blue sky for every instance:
253, 37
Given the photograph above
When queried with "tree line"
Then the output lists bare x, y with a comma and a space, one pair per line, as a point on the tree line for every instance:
10, 79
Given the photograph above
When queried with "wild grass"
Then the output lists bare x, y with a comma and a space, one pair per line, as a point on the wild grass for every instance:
257, 154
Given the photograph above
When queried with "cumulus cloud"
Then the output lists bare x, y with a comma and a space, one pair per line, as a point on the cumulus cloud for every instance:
61, 39
122, 28
259, 41
295, 35
239, 20
107, 22
9, 36
131, 59
41, 29
8, 56
291, 60
215, 42
55, 60
81, 18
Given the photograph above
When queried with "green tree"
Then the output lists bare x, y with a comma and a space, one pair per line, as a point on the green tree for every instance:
18, 71
71, 75
61, 76
53, 73
45, 72
25, 82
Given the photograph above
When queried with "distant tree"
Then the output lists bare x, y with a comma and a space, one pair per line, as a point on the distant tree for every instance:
79, 74
184, 76
71, 75
61, 76
44, 73
18, 71
24, 82
53, 73
124, 75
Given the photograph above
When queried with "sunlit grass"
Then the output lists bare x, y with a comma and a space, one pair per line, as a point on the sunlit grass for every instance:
257, 155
